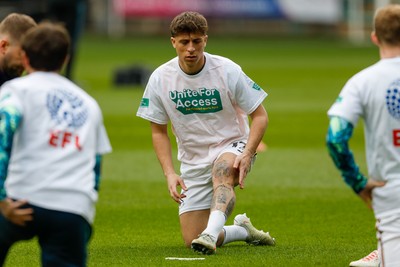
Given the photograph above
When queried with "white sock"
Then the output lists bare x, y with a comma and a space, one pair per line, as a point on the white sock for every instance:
234, 233
216, 221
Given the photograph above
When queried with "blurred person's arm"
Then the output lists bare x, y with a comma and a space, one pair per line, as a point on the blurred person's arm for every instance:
10, 119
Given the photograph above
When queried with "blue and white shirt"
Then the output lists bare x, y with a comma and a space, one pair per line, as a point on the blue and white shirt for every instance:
374, 95
57, 130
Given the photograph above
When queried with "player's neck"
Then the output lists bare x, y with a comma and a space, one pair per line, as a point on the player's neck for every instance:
193, 69
389, 52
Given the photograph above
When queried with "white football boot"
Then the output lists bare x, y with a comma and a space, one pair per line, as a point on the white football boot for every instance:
205, 244
371, 260
256, 237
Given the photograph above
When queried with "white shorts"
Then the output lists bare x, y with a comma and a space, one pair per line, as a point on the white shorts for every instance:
386, 204
388, 235
198, 180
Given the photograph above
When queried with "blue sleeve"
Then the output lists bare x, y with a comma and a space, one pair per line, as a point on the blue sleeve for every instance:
10, 119
337, 139
97, 172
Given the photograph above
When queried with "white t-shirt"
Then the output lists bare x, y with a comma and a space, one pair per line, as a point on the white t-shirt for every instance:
374, 95
54, 148
208, 110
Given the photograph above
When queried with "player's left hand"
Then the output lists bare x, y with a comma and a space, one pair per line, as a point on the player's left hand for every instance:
366, 193
243, 164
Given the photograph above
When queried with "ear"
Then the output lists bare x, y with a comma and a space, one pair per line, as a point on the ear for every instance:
205, 40
66, 60
3, 46
173, 41
375, 39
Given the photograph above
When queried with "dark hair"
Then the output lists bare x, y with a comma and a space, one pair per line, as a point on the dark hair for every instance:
46, 46
16, 25
188, 22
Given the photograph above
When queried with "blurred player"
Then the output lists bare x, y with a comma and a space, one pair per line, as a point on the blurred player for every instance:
51, 141
208, 99
12, 28
374, 95
261, 147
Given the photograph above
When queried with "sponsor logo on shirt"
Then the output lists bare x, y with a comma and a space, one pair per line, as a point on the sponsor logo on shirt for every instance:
69, 113
144, 102
252, 83
393, 106
393, 99
256, 86
202, 100
339, 99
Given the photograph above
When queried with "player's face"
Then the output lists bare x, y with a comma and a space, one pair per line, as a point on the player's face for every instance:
190, 50
11, 63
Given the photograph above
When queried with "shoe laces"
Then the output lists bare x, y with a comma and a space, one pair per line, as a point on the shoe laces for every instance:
371, 256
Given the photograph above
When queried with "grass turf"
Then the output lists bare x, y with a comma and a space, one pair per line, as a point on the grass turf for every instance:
294, 192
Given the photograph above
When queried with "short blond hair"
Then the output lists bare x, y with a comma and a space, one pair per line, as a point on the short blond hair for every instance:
387, 24
15, 25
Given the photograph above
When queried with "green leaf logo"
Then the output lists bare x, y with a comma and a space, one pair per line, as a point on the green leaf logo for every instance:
144, 102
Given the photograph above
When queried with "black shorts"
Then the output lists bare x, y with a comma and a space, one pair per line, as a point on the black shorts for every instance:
63, 237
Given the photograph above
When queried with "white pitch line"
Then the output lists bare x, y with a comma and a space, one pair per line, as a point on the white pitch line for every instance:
184, 259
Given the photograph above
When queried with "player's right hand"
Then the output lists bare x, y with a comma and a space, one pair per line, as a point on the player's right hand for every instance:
13, 212
174, 181
366, 193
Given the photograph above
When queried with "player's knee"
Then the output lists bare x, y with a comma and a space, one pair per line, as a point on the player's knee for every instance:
224, 173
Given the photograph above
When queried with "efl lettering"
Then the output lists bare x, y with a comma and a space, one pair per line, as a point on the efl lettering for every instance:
62, 139
53, 138
78, 146
66, 139
396, 137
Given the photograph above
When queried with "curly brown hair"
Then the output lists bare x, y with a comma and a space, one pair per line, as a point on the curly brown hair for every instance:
188, 22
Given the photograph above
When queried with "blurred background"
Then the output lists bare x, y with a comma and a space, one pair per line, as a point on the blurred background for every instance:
118, 18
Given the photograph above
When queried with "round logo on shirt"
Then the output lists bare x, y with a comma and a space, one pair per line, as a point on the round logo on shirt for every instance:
66, 108
393, 99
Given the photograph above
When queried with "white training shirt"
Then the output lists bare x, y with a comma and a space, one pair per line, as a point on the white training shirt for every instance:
54, 148
374, 95
208, 110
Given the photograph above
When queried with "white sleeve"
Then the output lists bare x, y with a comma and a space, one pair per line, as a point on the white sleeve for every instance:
248, 94
151, 106
349, 103
10, 98
103, 143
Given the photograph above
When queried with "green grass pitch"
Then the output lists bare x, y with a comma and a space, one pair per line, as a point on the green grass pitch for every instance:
293, 191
